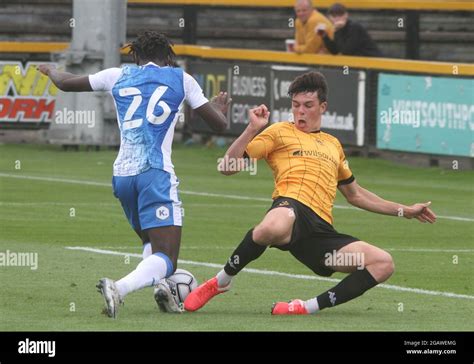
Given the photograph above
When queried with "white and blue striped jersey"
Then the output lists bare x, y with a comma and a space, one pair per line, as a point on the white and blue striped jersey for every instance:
148, 99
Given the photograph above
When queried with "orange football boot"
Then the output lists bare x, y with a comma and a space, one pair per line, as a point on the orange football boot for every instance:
295, 307
202, 294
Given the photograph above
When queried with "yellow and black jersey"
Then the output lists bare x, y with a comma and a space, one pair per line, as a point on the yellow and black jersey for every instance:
306, 166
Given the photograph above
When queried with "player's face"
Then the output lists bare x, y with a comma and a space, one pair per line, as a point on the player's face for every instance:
307, 111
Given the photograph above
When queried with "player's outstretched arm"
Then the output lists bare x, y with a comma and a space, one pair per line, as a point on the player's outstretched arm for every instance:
258, 119
214, 112
66, 81
364, 199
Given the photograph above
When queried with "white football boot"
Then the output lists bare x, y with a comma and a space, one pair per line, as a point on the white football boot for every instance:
106, 287
165, 299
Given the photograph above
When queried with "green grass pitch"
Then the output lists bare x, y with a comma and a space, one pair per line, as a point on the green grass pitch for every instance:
35, 216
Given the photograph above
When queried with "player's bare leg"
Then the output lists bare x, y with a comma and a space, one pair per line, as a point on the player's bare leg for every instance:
377, 267
378, 262
274, 229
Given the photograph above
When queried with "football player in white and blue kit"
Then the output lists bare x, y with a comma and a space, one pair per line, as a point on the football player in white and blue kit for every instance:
148, 98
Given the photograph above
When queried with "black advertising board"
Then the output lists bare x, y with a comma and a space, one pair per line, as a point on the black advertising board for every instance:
250, 86
346, 103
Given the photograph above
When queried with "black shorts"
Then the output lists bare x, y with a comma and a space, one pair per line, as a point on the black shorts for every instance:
312, 237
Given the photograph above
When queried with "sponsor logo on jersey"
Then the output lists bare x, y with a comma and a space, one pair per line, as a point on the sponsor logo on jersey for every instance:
314, 153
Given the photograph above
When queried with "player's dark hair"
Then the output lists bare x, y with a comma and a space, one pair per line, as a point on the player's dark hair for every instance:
151, 45
337, 9
310, 82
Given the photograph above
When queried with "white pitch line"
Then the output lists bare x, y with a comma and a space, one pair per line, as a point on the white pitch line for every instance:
194, 193
50, 203
280, 274
429, 250
218, 247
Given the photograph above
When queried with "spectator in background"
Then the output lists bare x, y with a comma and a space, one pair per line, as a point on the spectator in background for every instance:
350, 38
306, 40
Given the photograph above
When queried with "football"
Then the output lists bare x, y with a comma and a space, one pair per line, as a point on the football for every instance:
181, 283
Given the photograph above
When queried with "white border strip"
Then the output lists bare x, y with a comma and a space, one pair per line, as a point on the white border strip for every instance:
280, 274
194, 193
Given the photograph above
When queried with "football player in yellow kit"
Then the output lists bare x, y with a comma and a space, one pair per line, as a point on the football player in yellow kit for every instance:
308, 166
